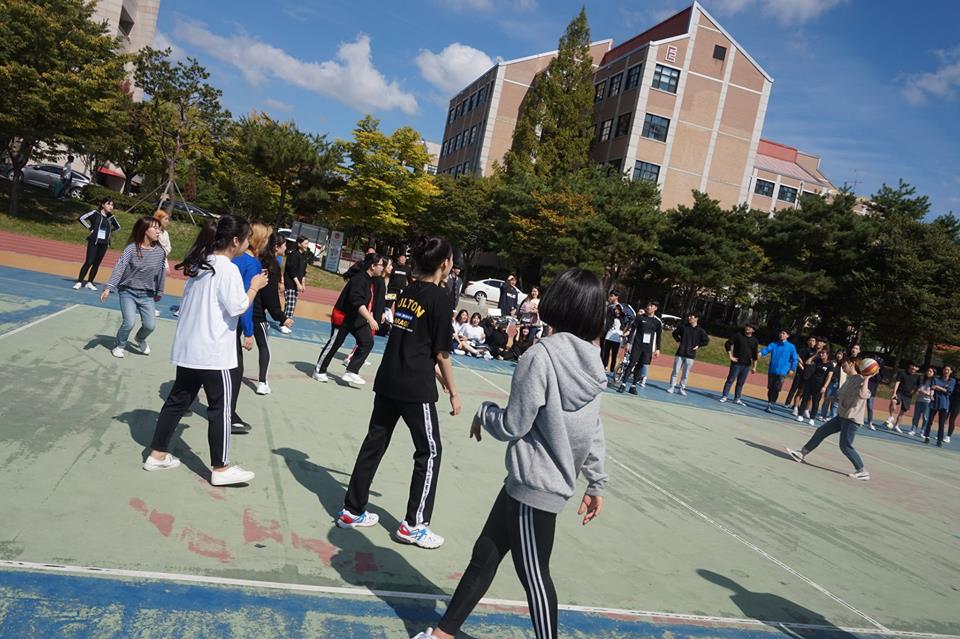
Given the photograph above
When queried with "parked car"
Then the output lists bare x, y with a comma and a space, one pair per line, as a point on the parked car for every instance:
314, 250
47, 176
670, 322
185, 208
489, 289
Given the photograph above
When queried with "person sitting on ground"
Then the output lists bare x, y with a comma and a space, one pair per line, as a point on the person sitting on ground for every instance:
474, 337
496, 331
525, 338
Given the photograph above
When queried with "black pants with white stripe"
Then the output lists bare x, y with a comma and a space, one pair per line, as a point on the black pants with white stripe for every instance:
338, 334
217, 386
421, 419
527, 534
260, 334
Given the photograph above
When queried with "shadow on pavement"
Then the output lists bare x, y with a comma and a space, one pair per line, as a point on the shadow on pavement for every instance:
777, 612
782, 454
142, 423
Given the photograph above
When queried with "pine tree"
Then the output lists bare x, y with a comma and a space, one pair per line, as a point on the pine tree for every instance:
552, 136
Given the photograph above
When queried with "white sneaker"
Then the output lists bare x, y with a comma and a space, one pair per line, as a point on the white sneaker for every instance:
799, 417
913, 432
739, 402
796, 411
285, 330
353, 378
263, 388
176, 313
78, 286
426, 634
811, 422
946, 439
487, 355
459, 351
683, 391
320, 377
862, 475
897, 429
872, 426
723, 400
91, 286
156, 312
169, 462
797, 455
232, 475
671, 390
806, 414
144, 347
117, 352
346, 519
643, 382
418, 536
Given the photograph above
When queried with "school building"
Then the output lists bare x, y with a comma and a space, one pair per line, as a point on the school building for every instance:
681, 104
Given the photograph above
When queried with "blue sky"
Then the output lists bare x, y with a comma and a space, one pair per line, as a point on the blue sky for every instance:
872, 86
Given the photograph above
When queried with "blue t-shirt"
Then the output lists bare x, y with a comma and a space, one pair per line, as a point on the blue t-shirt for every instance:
249, 267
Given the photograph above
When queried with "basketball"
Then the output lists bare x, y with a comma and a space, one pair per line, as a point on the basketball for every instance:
869, 366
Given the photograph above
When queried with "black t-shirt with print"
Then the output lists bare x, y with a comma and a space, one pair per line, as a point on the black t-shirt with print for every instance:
421, 329
908, 383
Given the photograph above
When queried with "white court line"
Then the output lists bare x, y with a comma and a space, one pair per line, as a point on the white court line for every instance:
734, 535
37, 321
365, 592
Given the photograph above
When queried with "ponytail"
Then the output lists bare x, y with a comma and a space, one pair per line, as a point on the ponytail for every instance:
215, 235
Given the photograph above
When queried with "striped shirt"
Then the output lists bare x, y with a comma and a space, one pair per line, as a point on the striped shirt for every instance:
143, 273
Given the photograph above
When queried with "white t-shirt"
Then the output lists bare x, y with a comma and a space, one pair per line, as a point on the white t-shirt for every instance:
613, 335
212, 305
473, 332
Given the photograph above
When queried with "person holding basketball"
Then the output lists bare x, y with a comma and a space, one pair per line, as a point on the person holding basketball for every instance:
852, 401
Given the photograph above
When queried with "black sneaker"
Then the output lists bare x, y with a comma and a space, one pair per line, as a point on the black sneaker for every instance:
633, 390
240, 428
622, 388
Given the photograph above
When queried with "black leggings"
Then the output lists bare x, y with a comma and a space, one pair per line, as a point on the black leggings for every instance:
263, 347
811, 393
218, 387
941, 424
95, 254
609, 353
527, 534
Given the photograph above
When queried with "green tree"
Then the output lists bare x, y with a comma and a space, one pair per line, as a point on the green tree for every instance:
386, 183
183, 117
552, 136
59, 75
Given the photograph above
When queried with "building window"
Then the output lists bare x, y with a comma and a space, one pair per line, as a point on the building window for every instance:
431, 169
473, 133
470, 102
763, 187
480, 95
443, 148
808, 194
787, 194
598, 93
615, 83
458, 142
605, 130
719, 53
451, 115
623, 125
466, 167
655, 127
665, 78
646, 171
633, 77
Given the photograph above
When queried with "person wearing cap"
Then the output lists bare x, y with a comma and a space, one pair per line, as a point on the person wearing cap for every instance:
509, 294
743, 349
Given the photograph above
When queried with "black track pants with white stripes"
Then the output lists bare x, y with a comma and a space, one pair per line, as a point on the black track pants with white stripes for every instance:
261, 336
527, 534
338, 334
217, 386
421, 419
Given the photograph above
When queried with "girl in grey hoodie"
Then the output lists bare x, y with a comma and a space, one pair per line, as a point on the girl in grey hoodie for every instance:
552, 424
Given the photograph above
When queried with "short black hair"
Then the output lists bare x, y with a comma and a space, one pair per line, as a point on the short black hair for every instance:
105, 200
653, 303
692, 314
614, 291
302, 238
750, 325
575, 303
69, 158
784, 330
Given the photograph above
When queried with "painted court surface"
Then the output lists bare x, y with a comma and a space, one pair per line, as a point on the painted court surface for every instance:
708, 530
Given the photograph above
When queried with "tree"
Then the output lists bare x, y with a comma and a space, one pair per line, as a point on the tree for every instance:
183, 117
282, 153
553, 132
386, 183
59, 75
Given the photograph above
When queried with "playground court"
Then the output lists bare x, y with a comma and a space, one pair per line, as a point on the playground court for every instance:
708, 529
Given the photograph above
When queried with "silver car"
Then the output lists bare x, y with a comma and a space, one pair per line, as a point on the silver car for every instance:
47, 176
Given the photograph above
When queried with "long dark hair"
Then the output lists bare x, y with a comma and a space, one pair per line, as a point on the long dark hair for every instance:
268, 255
139, 233
215, 235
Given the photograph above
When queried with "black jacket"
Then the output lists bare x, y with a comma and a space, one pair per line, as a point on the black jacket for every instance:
359, 291
454, 286
296, 266
644, 324
508, 299
690, 338
99, 224
268, 298
745, 349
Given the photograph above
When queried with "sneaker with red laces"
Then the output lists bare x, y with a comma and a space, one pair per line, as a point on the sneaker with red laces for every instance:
346, 519
418, 536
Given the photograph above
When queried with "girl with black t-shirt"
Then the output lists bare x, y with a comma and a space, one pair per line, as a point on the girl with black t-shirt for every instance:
815, 376
405, 387
268, 301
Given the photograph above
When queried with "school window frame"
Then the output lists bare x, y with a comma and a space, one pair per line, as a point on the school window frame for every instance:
605, 128
615, 83
466, 167
599, 90
450, 116
656, 127
666, 78
623, 124
719, 52
787, 194
763, 187
646, 171
633, 77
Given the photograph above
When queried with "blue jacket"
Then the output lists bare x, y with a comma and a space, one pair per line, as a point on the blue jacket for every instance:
783, 357
249, 267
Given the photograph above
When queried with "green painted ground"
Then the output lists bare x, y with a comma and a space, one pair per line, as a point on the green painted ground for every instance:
704, 515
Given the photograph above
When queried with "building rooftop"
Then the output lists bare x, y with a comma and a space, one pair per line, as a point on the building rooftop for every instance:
782, 159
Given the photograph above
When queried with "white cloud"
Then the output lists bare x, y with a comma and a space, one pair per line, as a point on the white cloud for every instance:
454, 67
487, 6
351, 78
277, 105
786, 12
161, 42
942, 83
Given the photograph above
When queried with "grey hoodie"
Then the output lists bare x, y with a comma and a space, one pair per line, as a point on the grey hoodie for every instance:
552, 423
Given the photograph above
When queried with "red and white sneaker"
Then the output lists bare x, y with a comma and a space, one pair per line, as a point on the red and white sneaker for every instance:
346, 519
418, 536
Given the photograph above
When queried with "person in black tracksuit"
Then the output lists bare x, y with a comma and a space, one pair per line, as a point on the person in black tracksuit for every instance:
690, 338
294, 277
400, 277
406, 388
816, 376
743, 349
804, 353
646, 333
353, 315
268, 301
101, 225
